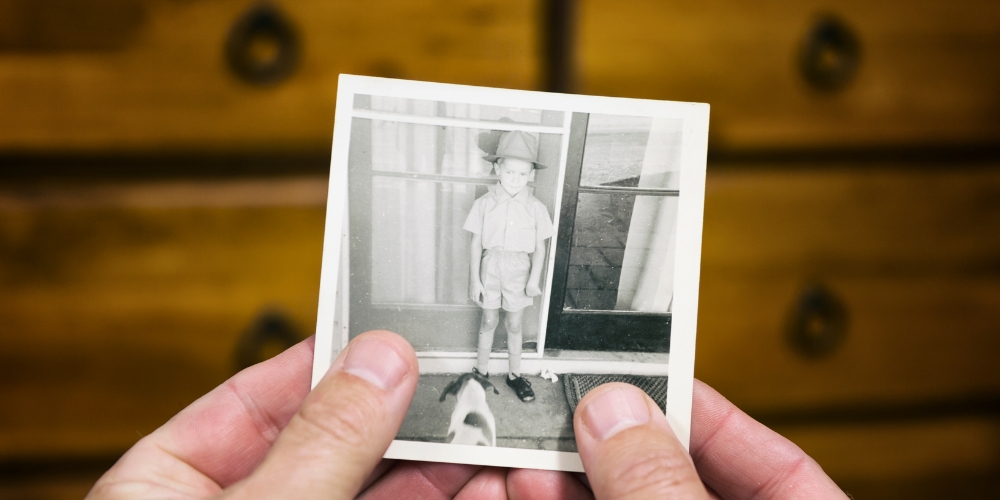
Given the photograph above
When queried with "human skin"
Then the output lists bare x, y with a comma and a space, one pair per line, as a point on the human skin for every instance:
263, 434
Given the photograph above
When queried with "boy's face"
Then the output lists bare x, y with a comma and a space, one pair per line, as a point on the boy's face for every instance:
514, 174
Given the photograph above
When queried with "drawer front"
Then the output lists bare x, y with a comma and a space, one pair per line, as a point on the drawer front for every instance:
120, 305
908, 258
163, 81
955, 457
926, 70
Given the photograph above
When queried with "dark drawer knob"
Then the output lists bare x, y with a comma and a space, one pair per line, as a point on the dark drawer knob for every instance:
270, 333
818, 323
831, 54
263, 46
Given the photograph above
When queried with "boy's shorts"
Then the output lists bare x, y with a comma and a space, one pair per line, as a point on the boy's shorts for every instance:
504, 276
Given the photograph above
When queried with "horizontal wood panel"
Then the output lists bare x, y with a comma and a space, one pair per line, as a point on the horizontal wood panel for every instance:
911, 459
913, 256
901, 449
117, 316
167, 84
50, 487
123, 303
927, 71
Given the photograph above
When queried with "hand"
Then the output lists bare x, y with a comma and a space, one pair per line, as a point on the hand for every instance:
476, 291
629, 451
532, 290
262, 434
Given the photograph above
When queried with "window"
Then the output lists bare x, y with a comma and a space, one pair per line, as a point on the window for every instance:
415, 168
613, 277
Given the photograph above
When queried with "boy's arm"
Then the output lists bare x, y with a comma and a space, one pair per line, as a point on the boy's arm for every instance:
475, 259
535, 275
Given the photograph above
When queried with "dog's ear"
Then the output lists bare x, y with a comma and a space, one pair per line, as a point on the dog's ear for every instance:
451, 388
454, 386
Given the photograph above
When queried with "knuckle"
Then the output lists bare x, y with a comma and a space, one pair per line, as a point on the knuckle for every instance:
651, 473
347, 422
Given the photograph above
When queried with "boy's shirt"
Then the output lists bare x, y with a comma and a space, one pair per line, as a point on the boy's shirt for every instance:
509, 223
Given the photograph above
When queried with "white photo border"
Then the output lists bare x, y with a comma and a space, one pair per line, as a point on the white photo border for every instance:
680, 369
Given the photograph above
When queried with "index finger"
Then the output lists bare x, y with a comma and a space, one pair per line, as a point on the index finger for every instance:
738, 457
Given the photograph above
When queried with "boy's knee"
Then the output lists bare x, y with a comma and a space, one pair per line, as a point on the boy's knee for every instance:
490, 321
513, 327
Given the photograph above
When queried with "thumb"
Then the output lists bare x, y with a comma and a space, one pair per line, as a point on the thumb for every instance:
344, 426
628, 449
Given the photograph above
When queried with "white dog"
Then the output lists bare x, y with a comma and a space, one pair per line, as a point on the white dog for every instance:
472, 421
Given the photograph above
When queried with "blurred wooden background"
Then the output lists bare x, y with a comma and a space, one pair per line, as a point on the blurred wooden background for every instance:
162, 191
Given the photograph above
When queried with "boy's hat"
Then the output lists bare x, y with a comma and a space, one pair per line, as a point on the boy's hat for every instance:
519, 145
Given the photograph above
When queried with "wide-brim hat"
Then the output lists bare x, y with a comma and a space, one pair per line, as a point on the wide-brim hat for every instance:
518, 145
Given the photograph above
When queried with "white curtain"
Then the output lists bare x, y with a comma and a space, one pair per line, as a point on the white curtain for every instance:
420, 254
648, 267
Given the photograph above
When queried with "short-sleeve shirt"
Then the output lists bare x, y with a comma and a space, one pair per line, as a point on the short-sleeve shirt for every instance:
509, 223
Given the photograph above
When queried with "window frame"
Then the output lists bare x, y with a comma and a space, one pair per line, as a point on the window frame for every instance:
587, 330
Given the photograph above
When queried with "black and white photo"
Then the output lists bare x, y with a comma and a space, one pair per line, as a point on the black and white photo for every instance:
530, 247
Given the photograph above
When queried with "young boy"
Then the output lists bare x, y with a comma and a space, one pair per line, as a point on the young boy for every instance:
509, 227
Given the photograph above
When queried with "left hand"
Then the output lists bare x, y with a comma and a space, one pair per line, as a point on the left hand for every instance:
263, 434
532, 290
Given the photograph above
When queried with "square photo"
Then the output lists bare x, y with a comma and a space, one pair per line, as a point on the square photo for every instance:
529, 246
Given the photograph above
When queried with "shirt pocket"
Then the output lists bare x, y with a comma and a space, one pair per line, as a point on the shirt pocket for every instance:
521, 236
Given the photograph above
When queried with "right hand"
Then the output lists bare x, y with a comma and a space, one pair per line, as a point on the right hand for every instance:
629, 451
476, 291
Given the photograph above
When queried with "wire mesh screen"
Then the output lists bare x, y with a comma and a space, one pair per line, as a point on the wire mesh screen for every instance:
578, 386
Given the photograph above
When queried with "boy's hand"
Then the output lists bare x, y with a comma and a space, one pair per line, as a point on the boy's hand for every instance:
532, 290
476, 292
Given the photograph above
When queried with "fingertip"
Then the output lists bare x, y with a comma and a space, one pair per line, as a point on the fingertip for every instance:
344, 426
613, 408
627, 447
381, 357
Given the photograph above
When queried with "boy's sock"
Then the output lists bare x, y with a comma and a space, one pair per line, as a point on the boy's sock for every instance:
484, 349
514, 352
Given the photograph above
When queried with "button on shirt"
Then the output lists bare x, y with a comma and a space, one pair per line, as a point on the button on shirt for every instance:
509, 223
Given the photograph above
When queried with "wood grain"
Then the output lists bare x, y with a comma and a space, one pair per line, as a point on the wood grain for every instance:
928, 71
170, 88
116, 317
953, 457
119, 306
913, 254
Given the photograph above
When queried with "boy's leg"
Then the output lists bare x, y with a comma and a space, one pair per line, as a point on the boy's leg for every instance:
520, 384
512, 322
491, 317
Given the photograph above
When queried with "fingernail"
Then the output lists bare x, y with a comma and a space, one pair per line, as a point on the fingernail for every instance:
614, 411
376, 362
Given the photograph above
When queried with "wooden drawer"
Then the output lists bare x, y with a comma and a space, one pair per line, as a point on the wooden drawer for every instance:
955, 457
911, 257
927, 69
120, 305
152, 74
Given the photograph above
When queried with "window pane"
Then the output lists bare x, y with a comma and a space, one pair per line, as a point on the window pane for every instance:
437, 150
632, 151
420, 254
482, 112
622, 253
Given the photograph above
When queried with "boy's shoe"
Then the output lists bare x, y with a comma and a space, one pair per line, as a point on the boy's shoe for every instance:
522, 388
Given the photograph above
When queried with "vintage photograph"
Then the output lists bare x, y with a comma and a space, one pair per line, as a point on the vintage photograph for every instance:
529, 246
